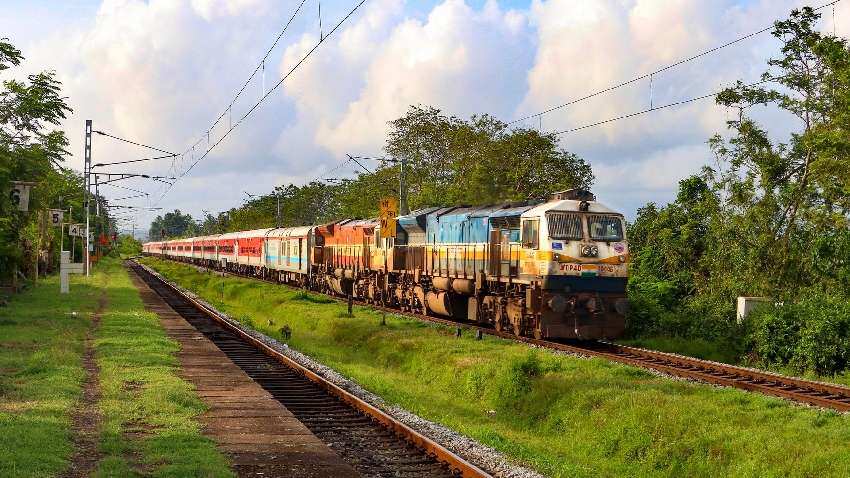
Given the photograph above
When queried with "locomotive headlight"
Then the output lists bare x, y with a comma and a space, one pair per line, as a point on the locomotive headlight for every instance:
589, 250
622, 258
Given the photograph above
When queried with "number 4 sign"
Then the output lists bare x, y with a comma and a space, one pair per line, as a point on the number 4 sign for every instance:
78, 230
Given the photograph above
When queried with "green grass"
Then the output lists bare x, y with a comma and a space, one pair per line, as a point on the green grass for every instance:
41, 347
148, 411
41, 375
562, 415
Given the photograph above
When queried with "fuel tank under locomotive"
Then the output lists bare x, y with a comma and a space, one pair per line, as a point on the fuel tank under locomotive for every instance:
595, 311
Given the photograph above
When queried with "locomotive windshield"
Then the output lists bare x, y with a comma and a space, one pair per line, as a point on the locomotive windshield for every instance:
564, 226
605, 228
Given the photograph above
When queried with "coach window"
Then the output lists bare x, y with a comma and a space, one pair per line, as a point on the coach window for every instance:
530, 228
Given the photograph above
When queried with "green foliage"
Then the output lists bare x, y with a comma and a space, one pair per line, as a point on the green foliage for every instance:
41, 348
171, 225
479, 161
771, 219
148, 410
127, 246
449, 161
31, 151
811, 334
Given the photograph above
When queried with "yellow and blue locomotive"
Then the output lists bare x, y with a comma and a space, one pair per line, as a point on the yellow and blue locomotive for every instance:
547, 269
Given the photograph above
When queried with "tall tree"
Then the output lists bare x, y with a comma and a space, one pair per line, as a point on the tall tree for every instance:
772, 219
30, 150
172, 224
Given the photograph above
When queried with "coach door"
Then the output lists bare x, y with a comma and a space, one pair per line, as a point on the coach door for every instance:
300, 251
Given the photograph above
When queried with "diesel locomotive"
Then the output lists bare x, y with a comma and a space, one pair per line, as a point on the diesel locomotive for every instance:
546, 269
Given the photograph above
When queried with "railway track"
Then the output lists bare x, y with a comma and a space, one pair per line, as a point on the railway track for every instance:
821, 394
374, 443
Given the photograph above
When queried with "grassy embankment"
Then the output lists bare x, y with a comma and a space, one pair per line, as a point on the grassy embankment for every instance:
147, 411
563, 415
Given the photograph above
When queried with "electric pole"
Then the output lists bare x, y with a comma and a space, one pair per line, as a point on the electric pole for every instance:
87, 173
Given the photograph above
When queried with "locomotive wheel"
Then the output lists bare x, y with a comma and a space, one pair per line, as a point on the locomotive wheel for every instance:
538, 333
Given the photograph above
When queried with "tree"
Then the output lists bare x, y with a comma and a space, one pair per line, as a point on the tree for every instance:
480, 160
450, 162
172, 224
770, 220
31, 151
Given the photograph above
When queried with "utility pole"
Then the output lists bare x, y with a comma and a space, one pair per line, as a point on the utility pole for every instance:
87, 173
277, 220
402, 187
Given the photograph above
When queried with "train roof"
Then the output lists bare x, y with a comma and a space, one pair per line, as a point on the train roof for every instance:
568, 205
296, 231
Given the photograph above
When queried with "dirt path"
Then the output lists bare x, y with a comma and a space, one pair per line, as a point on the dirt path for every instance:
86, 418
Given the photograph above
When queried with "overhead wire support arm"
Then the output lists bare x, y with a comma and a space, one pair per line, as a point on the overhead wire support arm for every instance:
353, 158
126, 188
99, 165
134, 143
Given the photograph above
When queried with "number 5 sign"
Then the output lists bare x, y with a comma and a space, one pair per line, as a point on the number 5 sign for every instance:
56, 217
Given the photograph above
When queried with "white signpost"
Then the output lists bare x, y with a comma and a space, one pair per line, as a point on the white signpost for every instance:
77, 230
20, 194
67, 267
56, 216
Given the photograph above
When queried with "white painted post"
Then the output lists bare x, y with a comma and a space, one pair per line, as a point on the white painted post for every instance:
66, 267
746, 305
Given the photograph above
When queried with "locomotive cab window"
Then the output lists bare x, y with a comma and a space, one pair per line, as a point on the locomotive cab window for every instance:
564, 226
530, 233
605, 228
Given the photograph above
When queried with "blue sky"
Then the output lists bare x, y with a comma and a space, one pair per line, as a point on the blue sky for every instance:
160, 71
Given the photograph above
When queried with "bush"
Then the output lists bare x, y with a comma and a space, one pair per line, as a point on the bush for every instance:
812, 334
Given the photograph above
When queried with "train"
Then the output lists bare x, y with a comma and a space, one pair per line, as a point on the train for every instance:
550, 269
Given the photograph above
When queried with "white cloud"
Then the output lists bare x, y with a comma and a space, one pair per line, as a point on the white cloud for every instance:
159, 71
437, 61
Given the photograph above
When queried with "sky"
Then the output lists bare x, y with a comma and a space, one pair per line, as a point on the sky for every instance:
160, 72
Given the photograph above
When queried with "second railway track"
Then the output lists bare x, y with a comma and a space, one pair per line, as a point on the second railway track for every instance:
375, 444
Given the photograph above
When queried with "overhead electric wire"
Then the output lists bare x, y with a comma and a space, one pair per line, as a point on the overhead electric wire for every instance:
124, 187
267, 94
651, 74
353, 158
248, 81
655, 108
134, 143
